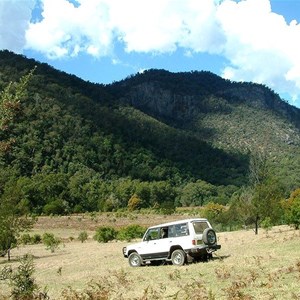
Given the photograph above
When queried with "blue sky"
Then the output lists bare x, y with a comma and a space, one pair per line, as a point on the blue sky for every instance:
107, 40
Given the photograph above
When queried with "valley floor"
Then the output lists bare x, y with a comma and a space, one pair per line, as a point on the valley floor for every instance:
249, 266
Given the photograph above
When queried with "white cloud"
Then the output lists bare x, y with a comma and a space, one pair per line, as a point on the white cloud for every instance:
14, 20
157, 26
69, 30
258, 44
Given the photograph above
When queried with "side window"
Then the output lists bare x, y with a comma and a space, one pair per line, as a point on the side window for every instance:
178, 230
152, 234
164, 232
184, 229
172, 231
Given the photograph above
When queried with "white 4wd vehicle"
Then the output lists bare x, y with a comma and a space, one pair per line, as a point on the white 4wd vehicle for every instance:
178, 242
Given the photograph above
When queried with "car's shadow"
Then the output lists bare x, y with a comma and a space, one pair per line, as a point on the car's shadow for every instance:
219, 257
214, 258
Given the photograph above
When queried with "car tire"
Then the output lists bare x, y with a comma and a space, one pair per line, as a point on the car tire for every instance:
135, 260
178, 257
209, 236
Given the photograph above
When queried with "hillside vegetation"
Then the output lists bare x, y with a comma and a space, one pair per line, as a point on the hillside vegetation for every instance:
78, 146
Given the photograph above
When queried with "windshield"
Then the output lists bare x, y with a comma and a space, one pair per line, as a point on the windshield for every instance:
151, 234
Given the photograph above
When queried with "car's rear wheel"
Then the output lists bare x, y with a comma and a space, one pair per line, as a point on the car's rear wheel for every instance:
135, 260
178, 257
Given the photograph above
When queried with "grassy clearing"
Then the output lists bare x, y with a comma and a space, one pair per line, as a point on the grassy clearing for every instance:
266, 266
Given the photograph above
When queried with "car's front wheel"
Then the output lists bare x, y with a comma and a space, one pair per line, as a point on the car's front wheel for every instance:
135, 260
178, 257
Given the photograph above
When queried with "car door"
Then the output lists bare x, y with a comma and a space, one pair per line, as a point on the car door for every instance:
154, 246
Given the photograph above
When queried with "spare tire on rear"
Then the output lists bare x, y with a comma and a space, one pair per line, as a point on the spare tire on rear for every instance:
209, 236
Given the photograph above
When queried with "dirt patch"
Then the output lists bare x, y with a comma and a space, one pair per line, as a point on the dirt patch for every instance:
90, 222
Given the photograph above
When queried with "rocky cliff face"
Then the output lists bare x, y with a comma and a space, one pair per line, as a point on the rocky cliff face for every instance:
162, 98
152, 99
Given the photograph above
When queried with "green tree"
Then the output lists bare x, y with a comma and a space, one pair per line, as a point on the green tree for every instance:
10, 105
214, 211
197, 193
12, 223
291, 208
56, 207
51, 241
241, 209
161, 192
23, 284
12, 218
266, 191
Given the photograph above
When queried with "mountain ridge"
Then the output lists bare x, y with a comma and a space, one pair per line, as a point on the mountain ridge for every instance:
159, 129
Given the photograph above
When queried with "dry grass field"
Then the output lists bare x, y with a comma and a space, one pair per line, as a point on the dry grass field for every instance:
266, 266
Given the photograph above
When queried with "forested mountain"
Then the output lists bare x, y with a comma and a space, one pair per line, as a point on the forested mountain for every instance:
160, 136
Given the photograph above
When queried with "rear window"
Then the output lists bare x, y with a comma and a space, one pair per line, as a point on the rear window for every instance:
199, 227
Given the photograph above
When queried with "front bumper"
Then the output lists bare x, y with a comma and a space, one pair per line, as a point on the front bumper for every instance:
124, 251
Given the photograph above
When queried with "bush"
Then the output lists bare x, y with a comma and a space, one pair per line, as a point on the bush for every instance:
266, 224
105, 234
134, 203
25, 239
50, 241
78, 209
83, 236
167, 208
36, 238
214, 212
291, 208
294, 214
56, 207
131, 232
21, 281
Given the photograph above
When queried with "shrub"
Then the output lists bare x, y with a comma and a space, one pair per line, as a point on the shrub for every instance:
291, 207
134, 203
167, 208
25, 239
266, 224
83, 236
22, 282
50, 241
56, 207
36, 238
105, 234
78, 209
214, 211
294, 214
131, 232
